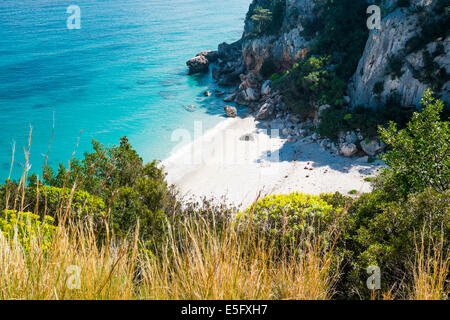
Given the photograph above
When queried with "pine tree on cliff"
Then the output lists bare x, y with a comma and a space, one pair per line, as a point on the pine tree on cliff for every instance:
262, 17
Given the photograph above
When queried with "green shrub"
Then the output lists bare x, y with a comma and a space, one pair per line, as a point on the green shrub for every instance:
268, 16
262, 17
111, 183
332, 122
288, 218
385, 234
395, 66
335, 120
53, 200
311, 82
419, 157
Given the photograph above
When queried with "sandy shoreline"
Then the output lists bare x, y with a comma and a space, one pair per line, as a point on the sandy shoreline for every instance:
232, 160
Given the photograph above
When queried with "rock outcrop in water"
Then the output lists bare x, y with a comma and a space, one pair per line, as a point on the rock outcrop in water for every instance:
200, 63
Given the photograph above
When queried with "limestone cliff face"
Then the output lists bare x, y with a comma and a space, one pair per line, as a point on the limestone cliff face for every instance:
398, 26
383, 45
285, 47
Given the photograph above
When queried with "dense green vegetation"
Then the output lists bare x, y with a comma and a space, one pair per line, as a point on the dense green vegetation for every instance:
288, 218
411, 198
410, 203
343, 119
338, 33
422, 147
110, 184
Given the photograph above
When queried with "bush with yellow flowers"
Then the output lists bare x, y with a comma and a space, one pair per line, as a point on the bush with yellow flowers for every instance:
286, 218
23, 227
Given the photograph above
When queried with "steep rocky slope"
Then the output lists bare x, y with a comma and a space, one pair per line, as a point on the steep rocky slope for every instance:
285, 45
390, 63
387, 65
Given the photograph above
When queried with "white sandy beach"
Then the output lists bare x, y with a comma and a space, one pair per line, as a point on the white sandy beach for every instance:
232, 160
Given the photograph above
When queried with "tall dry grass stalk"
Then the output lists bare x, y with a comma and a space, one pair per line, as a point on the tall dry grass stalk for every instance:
431, 271
199, 264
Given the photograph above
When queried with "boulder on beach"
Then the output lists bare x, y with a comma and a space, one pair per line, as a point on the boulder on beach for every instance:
372, 147
247, 137
348, 149
351, 137
245, 97
230, 111
265, 112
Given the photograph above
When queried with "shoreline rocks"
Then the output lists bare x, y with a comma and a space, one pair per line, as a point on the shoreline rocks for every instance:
348, 149
373, 147
230, 111
200, 63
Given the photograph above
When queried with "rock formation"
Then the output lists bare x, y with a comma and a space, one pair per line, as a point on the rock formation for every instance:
200, 63
230, 111
402, 59
389, 46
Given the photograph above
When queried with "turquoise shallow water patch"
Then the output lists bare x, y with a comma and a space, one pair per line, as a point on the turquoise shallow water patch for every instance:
122, 73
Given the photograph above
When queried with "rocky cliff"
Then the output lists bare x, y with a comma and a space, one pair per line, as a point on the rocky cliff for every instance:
398, 59
284, 45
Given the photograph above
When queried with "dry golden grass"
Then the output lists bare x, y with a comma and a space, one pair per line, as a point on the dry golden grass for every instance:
106, 271
431, 271
201, 264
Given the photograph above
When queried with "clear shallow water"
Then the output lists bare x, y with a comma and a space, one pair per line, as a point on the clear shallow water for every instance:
123, 73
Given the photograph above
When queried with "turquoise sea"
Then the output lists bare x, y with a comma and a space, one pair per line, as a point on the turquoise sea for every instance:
122, 73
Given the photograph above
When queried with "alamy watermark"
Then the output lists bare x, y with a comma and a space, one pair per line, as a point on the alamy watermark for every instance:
374, 21
227, 147
73, 277
374, 281
74, 20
